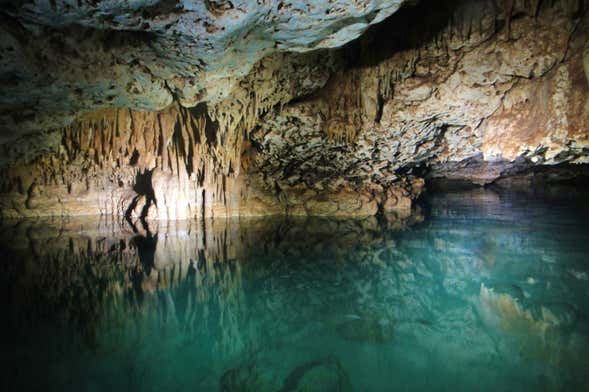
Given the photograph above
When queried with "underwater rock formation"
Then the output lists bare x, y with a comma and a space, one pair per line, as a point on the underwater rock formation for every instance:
273, 111
325, 374
540, 329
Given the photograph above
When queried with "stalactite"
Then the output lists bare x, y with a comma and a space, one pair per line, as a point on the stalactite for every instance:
394, 71
110, 148
343, 107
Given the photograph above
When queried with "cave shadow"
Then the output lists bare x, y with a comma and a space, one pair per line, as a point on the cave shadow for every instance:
144, 188
146, 246
211, 127
143, 185
409, 28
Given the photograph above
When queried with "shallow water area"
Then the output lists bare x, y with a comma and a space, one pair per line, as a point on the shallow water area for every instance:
479, 290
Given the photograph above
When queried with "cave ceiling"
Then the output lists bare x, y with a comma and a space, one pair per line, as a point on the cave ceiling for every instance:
264, 107
62, 58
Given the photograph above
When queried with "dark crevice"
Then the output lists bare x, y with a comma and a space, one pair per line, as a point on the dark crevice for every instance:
211, 126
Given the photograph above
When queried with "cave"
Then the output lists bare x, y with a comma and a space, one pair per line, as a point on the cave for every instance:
294, 195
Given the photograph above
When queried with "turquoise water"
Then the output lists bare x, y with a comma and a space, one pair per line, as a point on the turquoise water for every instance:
479, 290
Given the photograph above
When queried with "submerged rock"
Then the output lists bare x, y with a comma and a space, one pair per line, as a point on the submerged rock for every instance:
244, 379
325, 374
320, 375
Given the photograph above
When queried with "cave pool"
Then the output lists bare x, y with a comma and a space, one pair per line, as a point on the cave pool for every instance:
477, 290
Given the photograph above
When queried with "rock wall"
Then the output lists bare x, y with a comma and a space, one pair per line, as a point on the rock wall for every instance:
456, 89
118, 162
178, 163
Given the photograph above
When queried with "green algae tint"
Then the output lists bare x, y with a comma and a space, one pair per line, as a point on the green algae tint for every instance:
480, 290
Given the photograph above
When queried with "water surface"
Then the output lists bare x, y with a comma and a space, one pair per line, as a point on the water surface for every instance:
481, 290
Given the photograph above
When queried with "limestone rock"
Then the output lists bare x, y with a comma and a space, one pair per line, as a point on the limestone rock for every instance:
265, 114
464, 101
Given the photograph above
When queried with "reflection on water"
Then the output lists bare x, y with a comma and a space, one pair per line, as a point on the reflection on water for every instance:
489, 292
